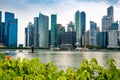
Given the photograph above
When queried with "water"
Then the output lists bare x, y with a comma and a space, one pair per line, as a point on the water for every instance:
65, 59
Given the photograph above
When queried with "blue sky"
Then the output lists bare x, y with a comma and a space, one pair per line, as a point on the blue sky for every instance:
26, 10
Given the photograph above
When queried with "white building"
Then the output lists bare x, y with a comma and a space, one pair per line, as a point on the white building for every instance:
113, 39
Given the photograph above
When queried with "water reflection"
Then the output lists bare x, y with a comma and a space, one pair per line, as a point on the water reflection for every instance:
65, 59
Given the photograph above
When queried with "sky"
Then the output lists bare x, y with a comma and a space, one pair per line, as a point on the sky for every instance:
26, 10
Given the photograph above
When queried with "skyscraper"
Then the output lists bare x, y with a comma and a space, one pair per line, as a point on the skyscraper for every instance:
1, 32
78, 27
83, 22
107, 20
43, 31
0, 16
93, 33
53, 26
12, 33
36, 35
70, 27
110, 11
10, 30
29, 33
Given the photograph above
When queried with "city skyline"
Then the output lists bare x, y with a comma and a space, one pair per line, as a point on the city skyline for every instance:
65, 11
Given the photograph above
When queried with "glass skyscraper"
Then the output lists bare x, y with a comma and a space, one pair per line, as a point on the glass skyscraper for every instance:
53, 26
78, 26
0, 16
107, 20
12, 33
70, 27
83, 22
36, 36
93, 33
10, 30
41, 24
29, 33
110, 11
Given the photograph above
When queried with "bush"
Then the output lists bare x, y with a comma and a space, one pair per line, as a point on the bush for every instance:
15, 69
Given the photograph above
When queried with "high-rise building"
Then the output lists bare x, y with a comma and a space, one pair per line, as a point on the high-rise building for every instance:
113, 39
68, 38
83, 22
43, 24
36, 35
1, 32
87, 35
12, 33
93, 33
29, 35
0, 16
59, 30
78, 27
53, 26
102, 39
114, 26
107, 20
110, 11
10, 30
70, 27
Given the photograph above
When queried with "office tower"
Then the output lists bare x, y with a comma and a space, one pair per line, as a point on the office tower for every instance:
114, 25
83, 22
107, 20
78, 27
110, 11
87, 37
102, 39
93, 33
36, 35
29, 35
113, 39
53, 28
70, 27
43, 32
10, 30
1, 32
0, 16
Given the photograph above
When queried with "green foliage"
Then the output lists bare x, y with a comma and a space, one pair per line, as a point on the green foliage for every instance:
17, 69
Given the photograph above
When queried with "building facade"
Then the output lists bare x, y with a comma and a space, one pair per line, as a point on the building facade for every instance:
36, 35
107, 20
53, 26
10, 30
43, 32
78, 27
102, 39
0, 16
113, 39
29, 35
70, 27
93, 33
83, 22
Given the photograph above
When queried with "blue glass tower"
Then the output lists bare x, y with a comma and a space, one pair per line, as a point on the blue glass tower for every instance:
10, 30
36, 36
93, 28
12, 33
53, 25
78, 26
83, 22
0, 16
43, 32
29, 35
